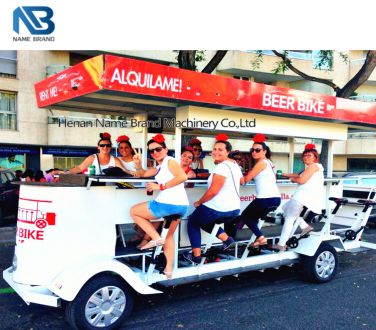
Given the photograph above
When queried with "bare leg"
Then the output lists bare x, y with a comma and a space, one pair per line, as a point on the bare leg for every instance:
142, 216
169, 247
146, 238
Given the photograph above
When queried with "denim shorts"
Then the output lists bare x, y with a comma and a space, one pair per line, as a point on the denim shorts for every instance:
160, 210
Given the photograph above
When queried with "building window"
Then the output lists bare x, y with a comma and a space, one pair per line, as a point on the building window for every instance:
8, 115
8, 63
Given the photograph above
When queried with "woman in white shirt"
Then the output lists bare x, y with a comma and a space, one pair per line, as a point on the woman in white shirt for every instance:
172, 198
102, 160
126, 153
221, 200
267, 193
309, 193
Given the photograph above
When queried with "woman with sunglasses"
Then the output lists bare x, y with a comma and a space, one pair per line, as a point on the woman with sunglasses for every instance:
102, 160
221, 200
197, 163
172, 198
267, 193
126, 153
309, 193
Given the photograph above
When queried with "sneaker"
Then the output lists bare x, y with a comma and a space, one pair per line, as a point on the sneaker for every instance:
306, 230
230, 242
187, 255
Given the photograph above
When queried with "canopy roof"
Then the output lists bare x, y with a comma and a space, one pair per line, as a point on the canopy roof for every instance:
120, 85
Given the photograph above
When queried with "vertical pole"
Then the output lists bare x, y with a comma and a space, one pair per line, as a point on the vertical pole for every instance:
144, 141
291, 155
329, 168
178, 132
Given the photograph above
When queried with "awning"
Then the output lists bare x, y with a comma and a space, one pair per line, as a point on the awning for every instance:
122, 85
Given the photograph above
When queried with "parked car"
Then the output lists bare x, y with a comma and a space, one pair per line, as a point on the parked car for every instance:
8, 195
350, 185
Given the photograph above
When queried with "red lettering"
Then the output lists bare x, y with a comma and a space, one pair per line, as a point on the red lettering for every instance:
30, 234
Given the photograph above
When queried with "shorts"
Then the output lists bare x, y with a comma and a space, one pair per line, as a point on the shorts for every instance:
160, 210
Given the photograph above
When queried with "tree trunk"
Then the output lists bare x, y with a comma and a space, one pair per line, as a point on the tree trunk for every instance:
217, 58
186, 59
361, 77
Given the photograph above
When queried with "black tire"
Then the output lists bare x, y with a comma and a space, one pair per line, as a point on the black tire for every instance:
321, 267
77, 311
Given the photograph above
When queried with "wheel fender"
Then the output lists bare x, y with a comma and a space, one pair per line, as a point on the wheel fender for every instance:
308, 246
69, 282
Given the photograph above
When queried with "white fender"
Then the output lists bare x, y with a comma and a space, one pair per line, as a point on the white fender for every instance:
69, 282
308, 246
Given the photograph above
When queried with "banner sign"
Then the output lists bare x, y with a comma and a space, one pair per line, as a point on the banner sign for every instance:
150, 79
81, 79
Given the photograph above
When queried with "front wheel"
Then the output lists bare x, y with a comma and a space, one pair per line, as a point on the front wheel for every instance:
103, 303
321, 267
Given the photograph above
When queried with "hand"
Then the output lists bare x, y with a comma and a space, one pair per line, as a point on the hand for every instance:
152, 186
137, 158
196, 204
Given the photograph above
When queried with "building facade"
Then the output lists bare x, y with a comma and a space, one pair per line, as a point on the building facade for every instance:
38, 138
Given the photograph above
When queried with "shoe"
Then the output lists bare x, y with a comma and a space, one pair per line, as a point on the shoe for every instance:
279, 247
153, 243
187, 255
230, 242
260, 241
306, 230
142, 243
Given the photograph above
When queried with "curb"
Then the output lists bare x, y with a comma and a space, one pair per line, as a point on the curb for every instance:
7, 235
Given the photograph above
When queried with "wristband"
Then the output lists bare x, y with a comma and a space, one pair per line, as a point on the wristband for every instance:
162, 187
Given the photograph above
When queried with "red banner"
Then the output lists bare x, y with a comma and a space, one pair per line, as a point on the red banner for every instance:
146, 78
81, 79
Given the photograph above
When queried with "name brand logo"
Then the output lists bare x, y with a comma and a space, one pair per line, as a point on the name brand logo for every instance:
37, 19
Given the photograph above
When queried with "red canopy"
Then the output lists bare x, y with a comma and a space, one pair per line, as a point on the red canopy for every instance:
107, 78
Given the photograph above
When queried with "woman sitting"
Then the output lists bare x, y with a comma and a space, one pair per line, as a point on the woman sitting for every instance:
267, 193
221, 200
186, 161
172, 198
126, 153
197, 163
310, 193
102, 160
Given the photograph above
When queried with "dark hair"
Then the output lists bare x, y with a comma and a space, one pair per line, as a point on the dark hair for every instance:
129, 145
50, 170
28, 173
314, 152
268, 154
38, 175
226, 143
184, 150
104, 137
153, 141
233, 154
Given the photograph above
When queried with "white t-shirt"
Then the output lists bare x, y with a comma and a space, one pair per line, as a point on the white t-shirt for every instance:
99, 168
266, 183
311, 193
227, 198
130, 166
175, 195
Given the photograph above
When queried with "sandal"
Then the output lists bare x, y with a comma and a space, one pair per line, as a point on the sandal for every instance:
260, 241
153, 243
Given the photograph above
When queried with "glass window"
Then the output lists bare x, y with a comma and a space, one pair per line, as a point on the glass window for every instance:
66, 163
8, 63
369, 181
350, 181
8, 115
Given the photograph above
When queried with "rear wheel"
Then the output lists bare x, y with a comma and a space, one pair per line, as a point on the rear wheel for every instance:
321, 267
103, 303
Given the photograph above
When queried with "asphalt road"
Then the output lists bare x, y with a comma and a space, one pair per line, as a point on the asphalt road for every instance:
273, 299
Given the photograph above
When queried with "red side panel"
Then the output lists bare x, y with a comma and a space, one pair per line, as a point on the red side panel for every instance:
81, 79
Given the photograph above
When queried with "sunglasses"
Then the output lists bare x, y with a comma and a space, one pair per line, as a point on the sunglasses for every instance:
257, 150
197, 149
105, 145
158, 149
